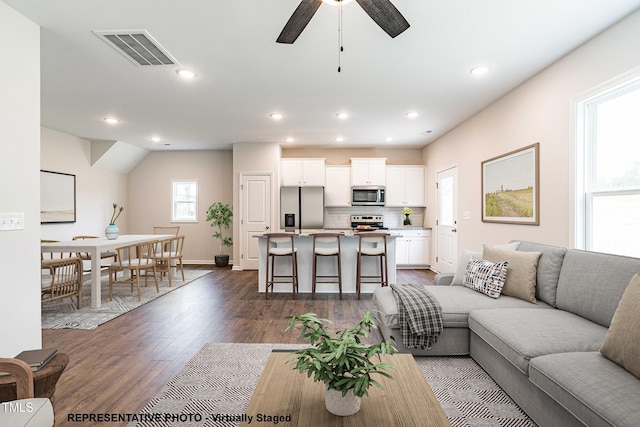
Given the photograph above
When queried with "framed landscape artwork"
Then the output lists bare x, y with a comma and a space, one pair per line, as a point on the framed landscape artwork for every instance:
57, 197
510, 187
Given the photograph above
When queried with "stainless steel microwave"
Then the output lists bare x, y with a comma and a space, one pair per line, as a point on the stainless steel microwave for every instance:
369, 195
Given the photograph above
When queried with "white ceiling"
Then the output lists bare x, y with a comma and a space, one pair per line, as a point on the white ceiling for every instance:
244, 75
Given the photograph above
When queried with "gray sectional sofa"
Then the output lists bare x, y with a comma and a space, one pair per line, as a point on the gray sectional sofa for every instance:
545, 355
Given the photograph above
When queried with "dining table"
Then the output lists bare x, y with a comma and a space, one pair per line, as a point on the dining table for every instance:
94, 247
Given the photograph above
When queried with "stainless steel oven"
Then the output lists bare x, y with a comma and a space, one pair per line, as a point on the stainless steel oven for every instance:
370, 195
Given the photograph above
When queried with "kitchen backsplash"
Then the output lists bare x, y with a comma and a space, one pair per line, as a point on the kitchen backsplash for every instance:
340, 217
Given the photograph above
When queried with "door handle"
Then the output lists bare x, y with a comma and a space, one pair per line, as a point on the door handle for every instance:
454, 230
267, 227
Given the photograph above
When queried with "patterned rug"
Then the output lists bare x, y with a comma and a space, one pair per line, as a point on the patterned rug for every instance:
220, 379
64, 313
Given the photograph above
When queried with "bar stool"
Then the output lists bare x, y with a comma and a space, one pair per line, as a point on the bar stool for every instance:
379, 249
276, 239
323, 250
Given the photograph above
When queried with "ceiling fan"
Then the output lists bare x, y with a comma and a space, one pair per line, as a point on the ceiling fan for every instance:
383, 12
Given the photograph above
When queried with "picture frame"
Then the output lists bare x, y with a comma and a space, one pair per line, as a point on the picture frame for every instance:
511, 187
57, 197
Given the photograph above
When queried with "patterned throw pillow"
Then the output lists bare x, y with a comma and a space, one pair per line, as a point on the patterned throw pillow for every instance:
485, 276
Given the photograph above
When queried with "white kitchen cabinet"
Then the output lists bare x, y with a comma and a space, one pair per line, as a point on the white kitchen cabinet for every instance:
368, 171
302, 172
405, 186
337, 191
412, 249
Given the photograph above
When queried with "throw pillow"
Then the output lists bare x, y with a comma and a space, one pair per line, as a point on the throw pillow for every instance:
485, 276
622, 342
466, 255
522, 272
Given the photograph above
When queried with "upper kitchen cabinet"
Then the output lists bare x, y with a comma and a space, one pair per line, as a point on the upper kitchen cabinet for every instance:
302, 172
405, 186
370, 171
337, 192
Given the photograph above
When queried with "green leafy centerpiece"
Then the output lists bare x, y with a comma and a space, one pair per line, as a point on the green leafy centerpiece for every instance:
340, 360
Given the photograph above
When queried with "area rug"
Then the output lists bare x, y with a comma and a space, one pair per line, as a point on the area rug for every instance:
220, 379
64, 313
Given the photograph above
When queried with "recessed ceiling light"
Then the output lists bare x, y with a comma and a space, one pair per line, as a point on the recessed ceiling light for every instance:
276, 116
337, 2
342, 116
388, 139
111, 120
339, 138
289, 139
155, 138
412, 114
186, 73
479, 70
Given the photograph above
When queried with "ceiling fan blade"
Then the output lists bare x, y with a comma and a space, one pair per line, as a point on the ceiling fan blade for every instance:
298, 21
385, 14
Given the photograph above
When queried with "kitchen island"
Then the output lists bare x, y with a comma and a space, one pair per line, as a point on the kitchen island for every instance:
327, 265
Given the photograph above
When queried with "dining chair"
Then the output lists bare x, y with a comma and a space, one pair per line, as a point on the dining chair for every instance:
46, 257
26, 410
62, 278
174, 230
137, 260
168, 255
86, 256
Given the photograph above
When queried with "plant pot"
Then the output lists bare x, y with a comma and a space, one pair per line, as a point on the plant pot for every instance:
112, 232
342, 406
222, 260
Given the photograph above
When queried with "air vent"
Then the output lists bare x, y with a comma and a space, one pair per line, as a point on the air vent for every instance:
138, 46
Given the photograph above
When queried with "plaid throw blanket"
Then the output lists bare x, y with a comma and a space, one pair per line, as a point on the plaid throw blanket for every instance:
420, 316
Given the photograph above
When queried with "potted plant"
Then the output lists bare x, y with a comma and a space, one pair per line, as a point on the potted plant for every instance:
219, 214
340, 360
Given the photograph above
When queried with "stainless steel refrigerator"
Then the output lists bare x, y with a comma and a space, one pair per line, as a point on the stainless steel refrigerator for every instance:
307, 203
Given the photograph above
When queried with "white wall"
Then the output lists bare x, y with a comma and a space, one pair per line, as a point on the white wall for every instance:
96, 189
537, 111
150, 196
20, 177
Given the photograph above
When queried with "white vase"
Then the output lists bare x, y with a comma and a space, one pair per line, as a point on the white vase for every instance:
112, 232
341, 405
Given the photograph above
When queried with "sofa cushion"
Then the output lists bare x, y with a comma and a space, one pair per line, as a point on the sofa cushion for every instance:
485, 276
622, 343
519, 335
455, 301
591, 387
548, 272
521, 273
591, 283
466, 255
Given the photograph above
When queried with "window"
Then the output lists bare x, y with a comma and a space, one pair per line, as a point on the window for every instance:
608, 169
184, 200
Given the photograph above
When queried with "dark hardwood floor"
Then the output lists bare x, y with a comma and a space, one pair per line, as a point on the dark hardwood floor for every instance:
118, 367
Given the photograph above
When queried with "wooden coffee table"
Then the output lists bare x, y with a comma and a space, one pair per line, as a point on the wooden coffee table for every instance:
294, 399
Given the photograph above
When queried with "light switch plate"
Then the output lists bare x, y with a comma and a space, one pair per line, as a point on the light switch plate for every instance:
11, 221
